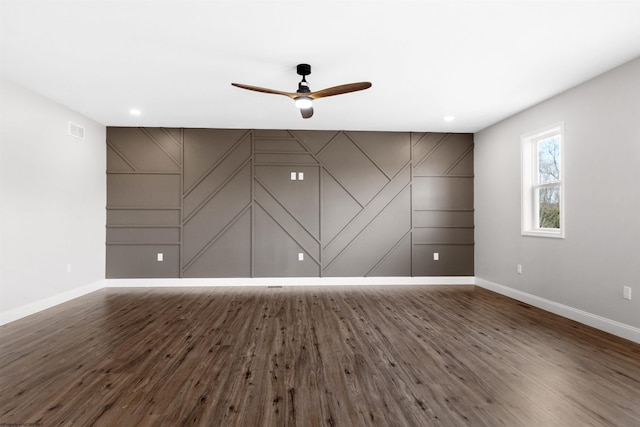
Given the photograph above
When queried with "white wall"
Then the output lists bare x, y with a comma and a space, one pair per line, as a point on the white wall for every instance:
53, 193
601, 251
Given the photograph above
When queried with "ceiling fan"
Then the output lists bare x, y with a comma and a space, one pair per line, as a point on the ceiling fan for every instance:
303, 97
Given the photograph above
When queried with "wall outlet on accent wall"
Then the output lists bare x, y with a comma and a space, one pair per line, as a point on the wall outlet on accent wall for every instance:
160, 257
519, 268
626, 292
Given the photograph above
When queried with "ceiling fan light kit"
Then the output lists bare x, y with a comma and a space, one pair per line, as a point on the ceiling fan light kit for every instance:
303, 97
303, 102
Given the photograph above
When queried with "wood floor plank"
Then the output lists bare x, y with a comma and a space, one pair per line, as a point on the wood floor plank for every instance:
313, 356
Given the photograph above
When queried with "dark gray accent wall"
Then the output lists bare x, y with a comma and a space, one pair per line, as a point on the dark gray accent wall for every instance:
221, 203
442, 204
144, 181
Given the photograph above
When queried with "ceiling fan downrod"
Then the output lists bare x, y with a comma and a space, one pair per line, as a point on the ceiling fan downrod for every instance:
303, 70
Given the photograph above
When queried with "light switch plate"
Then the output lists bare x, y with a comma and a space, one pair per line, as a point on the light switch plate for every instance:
160, 257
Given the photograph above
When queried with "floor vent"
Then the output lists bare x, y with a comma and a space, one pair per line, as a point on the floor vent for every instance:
76, 130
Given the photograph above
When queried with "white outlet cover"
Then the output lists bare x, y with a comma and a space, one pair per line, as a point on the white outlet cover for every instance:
160, 257
436, 256
300, 176
519, 268
626, 292
300, 256
294, 176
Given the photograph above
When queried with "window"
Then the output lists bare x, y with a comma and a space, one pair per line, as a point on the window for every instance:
542, 183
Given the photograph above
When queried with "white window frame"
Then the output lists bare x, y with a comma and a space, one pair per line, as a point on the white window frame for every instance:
529, 180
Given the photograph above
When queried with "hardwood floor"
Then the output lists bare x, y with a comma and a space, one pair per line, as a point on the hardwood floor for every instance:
335, 356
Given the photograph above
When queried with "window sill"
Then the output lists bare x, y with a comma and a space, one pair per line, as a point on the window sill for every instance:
544, 233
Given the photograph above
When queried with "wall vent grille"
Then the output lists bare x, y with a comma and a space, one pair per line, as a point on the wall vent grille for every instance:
76, 130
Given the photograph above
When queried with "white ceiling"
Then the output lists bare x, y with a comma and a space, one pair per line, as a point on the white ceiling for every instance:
480, 61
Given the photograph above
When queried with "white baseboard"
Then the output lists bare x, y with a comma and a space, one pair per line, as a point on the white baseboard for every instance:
611, 326
45, 303
289, 281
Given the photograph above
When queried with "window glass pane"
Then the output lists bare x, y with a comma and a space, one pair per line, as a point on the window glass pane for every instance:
549, 207
549, 159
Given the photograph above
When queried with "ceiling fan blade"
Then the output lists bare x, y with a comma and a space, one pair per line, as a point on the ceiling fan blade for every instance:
306, 112
291, 95
338, 90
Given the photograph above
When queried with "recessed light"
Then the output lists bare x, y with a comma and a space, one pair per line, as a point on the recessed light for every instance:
448, 118
135, 112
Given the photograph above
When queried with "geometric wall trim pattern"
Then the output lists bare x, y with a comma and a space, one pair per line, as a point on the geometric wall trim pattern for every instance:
278, 203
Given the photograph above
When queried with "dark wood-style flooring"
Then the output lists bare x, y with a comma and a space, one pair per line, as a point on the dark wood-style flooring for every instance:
310, 356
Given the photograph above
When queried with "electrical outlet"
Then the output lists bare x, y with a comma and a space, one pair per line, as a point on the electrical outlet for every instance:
626, 292
300, 256
68, 268
519, 268
294, 176
160, 257
300, 176
436, 256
